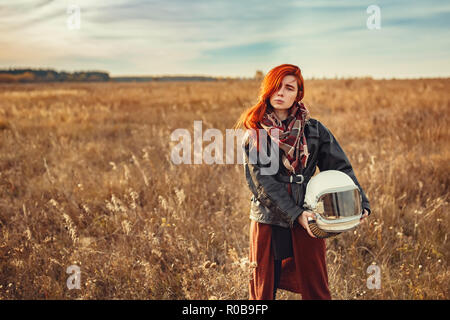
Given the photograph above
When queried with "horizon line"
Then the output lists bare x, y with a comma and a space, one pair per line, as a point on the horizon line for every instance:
336, 76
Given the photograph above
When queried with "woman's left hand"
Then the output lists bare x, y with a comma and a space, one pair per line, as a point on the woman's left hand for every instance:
364, 216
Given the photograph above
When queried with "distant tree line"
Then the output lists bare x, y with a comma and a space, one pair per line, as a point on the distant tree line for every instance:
48, 75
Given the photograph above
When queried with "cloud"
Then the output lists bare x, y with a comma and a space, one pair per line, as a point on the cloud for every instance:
231, 37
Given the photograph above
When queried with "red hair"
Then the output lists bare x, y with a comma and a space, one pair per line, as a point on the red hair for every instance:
271, 83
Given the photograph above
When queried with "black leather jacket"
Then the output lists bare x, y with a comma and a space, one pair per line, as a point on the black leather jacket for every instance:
271, 202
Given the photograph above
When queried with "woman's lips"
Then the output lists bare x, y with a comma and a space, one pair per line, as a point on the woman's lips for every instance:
278, 100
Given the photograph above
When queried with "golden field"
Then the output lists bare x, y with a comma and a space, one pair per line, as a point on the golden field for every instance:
86, 179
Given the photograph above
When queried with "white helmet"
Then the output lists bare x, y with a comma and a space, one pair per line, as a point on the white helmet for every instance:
336, 201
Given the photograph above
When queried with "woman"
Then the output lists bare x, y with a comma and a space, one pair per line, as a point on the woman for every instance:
283, 251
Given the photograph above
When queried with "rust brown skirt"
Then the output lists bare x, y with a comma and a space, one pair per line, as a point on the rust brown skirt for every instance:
304, 273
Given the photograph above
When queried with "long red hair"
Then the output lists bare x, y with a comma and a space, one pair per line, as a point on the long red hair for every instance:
271, 83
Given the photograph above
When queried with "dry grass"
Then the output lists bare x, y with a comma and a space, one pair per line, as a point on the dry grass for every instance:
86, 179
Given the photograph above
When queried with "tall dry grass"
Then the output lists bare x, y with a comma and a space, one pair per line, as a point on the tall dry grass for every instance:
86, 179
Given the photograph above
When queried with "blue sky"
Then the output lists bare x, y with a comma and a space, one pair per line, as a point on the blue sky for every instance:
229, 37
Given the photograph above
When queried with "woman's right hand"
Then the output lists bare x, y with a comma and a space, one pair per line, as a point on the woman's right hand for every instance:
303, 220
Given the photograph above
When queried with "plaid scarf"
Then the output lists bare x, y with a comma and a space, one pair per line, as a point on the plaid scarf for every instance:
292, 140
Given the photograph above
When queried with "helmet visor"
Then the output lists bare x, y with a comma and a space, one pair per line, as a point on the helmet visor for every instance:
332, 206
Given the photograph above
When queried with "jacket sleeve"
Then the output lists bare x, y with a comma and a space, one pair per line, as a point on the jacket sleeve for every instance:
332, 157
268, 191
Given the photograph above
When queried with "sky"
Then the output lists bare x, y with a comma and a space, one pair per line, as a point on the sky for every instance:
230, 38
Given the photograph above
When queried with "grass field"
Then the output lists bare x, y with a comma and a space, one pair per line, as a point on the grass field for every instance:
86, 179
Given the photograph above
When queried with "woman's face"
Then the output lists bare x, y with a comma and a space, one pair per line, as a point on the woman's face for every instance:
284, 98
